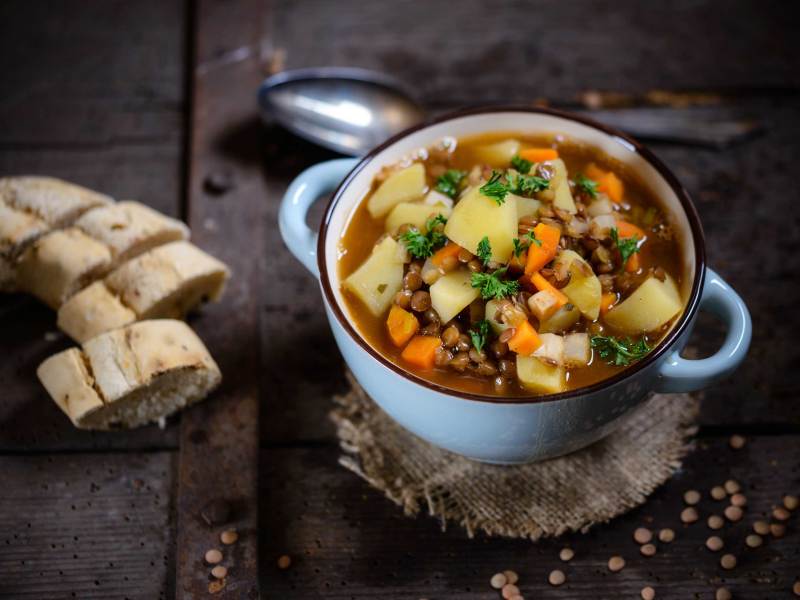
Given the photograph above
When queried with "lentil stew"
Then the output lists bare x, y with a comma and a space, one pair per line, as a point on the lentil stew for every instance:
510, 265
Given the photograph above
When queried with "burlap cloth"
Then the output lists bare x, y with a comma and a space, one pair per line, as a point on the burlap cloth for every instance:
570, 493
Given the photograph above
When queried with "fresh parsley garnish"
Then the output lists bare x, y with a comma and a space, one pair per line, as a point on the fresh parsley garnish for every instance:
449, 182
522, 244
526, 185
423, 245
492, 287
495, 189
485, 250
479, 334
626, 246
587, 185
619, 352
520, 164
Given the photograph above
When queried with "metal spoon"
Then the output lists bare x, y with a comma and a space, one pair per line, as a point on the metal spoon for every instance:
353, 110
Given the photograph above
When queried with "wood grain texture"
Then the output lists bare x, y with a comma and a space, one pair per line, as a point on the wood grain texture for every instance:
219, 438
347, 541
87, 526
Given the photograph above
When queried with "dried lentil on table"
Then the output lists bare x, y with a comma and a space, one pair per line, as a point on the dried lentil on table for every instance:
648, 593
509, 590
780, 513
761, 527
228, 537
556, 577
213, 556
284, 562
689, 515
715, 543
739, 500
733, 513
648, 550
791, 502
691, 497
718, 492
219, 572
732, 486
616, 563
497, 581
715, 522
777, 530
753, 540
642, 535
727, 562
737, 442
723, 594
666, 535
511, 577
566, 554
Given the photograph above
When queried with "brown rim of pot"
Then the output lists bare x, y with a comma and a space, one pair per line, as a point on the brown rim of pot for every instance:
662, 348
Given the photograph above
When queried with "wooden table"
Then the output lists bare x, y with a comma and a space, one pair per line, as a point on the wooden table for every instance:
146, 100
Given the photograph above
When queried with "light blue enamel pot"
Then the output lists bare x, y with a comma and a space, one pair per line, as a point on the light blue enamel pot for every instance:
513, 430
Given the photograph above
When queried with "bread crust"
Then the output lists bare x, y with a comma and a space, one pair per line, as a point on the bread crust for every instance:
55, 201
92, 311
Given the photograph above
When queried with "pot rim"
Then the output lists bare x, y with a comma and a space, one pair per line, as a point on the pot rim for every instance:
664, 346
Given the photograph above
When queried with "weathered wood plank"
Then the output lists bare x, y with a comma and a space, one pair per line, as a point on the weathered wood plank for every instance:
87, 526
219, 438
347, 541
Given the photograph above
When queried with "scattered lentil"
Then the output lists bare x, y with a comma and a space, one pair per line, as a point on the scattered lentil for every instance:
648, 550
498, 580
517, 597
727, 562
733, 513
284, 562
732, 486
648, 593
715, 522
216, 586
566, 554
753, 540
715, 543
718, 492
213, 556
642, 535
739, 500
791, 502
691, 497
666, 535
509, 591
780, 513
778, 530
616, 563
689, 515
761, 527
737, 442
723, 594
556, 577
796, 588
228, 537
219, 572
511, 577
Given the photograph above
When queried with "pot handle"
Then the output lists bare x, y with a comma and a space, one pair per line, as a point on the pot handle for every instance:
683, 375
306, 189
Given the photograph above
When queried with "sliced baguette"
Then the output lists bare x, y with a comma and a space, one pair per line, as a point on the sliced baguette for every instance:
60, 263
17, 231
166, 282
58, 203
131, 376
129, 228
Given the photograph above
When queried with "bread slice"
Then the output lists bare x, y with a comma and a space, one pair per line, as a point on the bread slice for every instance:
58, 203
60, 263
17, 231
131, 376
166, 282
129, 228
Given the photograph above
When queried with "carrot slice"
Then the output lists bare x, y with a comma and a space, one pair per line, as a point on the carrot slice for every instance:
539, 256
542, 284
539, 154
421, 351
607, 301
525, 340
607, 182
626, 230
444, 252
633, 263
402, 325
594, 172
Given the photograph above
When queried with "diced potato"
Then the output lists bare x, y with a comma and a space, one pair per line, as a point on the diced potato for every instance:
600, 226
476, 216
560, 186
564, 318
452, 293
601, 206
434, 198
498, 154
526, 206
405, 185
552, 349
652, 304
584, 289
413, 213
576, 350
491, 311
543, 304
377, 281
539, 377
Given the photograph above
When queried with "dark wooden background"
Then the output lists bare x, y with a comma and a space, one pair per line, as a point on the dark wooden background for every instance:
146, 99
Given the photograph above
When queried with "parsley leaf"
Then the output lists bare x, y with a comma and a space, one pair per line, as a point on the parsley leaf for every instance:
587, 185
627, 246
520, 164
526, 185
479, 334
619, 352
495, 189
485, 250
423, 245
527, 240
492, 287
448, 183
